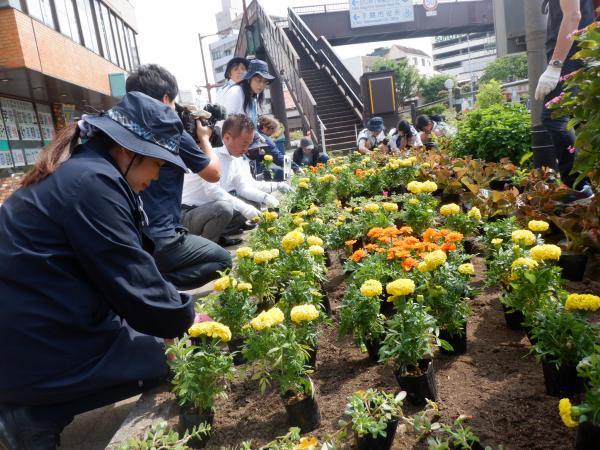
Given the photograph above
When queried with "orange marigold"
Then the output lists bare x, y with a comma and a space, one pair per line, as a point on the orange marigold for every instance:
448, 246
358, 255
405, 230
371, 247
350, 243
375, 232
454, 236
409, 263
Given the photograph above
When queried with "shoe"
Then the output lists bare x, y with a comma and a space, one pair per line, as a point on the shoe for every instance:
574, 195
225, 241
248, 226
18, 431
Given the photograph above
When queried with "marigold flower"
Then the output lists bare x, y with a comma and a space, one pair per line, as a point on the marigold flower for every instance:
497, 241
304, 180
538, 225
423, 267
358, 255
222, 283
523, 237
316, 250
466, 269
371, 207
401, 286
304, 313
408, 162
244, 287
449, 210
526, 263
405, 230
371, 288
586, 302
270, 216
307, 443
303, 185
350, 243
453, 236
564, 409
429, 186
414, 187
435, 259
474, 213
314, 240
298, 221
544, 252
267, 319
210, 329
409, 263
292, 240
265, 256
390, 207
312, 210
243, 252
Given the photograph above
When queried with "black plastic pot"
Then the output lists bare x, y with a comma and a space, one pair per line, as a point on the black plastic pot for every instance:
373, 346
573, 266
588, 437
189, 418
458, 342
513, 319
379, 443
303, 413
561, 382
235, 347
419, 387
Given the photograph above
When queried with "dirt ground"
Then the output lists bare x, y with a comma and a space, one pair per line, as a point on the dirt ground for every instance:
495, 381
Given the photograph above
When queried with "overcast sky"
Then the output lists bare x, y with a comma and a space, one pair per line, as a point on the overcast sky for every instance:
168, 34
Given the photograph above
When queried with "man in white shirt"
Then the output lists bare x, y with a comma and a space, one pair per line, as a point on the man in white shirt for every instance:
216, 210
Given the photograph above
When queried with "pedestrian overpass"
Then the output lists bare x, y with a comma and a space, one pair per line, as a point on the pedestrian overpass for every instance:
299, 49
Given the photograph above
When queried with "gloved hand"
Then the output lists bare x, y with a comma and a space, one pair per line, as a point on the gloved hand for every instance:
250, 212
547, 82
270, 201
284, 187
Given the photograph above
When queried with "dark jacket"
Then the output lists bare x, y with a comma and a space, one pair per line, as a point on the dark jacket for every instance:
80, 297
297, 156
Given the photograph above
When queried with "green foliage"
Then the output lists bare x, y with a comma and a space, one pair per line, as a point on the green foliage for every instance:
406, 76
432, 88
463, 223
457, 436
494, 133
490, 94
234, 309
431, 110
589, 370
359, 317
371, 411
562, 337
419, 211
506, 68
161, 437
200, 372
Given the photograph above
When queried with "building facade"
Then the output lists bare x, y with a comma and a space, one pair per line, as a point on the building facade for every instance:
464, 56
228, 25
58, 60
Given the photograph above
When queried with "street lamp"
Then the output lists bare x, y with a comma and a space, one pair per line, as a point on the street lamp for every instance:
208, 86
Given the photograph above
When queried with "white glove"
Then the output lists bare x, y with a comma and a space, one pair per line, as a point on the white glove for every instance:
270, 201
547, 82
250, 212
284, 187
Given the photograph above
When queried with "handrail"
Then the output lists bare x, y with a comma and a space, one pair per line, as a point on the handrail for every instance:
323, 130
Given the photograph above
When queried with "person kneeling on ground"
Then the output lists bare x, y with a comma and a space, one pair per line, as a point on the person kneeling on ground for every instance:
267, 125
218, 210
404, 137
307, 154
373, 137
84, 307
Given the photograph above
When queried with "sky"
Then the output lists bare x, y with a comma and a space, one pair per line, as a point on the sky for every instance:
168, 35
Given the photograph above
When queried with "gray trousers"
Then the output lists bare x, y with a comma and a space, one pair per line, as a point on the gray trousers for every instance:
212, 220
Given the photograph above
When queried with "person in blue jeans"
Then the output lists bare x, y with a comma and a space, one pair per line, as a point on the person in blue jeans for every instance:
84, 307
307, 154
186, 260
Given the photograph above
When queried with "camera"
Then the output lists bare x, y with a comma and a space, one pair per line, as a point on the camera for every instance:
209, 116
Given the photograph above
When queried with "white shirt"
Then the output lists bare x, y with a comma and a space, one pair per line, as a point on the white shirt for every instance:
235, 176
233, 101
413, 141
372, 141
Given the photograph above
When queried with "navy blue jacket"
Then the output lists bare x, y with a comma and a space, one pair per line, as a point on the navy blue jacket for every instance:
80, 298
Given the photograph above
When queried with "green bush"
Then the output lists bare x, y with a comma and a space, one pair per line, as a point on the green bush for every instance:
493, 133
438, 108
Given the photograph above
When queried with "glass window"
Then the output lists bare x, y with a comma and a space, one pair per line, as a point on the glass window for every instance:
135, 60
111, 52
124, 45
88, 29
41, 10
113, 24
66, 19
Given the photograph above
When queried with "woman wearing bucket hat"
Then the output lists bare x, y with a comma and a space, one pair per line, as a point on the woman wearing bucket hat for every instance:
247, 96
234, 73
84, 308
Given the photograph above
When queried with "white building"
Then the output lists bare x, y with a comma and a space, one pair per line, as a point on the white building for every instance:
464, 56
228, 24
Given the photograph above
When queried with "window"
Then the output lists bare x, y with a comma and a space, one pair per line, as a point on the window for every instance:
135, 60
41, 10
227, 52
117, 43
67, 21
415, 60
88, 29
423, 62
108, 42
123, 42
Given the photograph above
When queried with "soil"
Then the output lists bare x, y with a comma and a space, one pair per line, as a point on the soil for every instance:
495, 381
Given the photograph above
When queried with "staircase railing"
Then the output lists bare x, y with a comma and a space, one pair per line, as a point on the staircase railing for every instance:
323, 54
286, 62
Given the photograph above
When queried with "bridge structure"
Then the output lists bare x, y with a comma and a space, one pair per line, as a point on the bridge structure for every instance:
299, 49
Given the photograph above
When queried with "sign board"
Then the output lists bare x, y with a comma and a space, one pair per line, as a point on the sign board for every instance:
430, 7
368, 13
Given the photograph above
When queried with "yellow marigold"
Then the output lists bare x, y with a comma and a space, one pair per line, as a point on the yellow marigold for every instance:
429, 186
497, 241
414, 187
587, 302
319, 220
475, 213
371, 207
304, 180
298, 221
435, 259
269, 216
390, 207
337, 169
264, 256
210, 329
523, 237
307, 443
314, 240
413, 201
538, 225
316, 250
401, 286
271, 229
466, 269
423, 267
304, 313
371, 288
268, 158
292, 240
564, 409
546, 251
244, 287
449, 210
267, 319
408, 162
244, 252
527, 263
222, 283
312, 210
303, 185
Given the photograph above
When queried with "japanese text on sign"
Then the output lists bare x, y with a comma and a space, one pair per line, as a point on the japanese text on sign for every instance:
368, 13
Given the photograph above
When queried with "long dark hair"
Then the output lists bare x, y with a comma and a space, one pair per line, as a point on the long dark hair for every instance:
405, 127
248, 94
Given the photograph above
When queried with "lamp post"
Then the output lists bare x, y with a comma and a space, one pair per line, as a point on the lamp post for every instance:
208, 86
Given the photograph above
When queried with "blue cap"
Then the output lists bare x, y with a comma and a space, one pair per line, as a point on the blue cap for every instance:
144, 126
258, 67
375, 124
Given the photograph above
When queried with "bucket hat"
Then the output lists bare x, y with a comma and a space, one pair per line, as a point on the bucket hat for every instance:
375, 124
307, 143
258, 67
144, 126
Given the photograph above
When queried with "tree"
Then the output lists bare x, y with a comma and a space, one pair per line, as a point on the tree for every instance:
406, 76
490, 94
432, 88
506, 68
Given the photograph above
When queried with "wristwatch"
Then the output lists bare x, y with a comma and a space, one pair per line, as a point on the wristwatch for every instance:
557, 63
